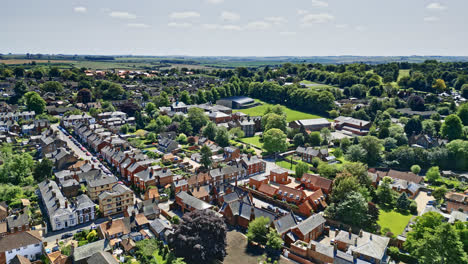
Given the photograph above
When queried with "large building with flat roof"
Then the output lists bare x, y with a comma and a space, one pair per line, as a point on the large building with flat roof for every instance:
236, 102
315, 124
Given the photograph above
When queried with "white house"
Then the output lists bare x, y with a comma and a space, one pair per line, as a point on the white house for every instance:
27, 244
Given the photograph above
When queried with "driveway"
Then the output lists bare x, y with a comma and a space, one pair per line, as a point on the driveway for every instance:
421, 200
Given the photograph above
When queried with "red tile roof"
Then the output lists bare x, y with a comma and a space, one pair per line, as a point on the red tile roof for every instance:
267, 189
317, 181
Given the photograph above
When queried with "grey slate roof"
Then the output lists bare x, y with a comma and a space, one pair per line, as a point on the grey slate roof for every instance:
311, 223
193, 202
90, 249
102, 257
285, 223
83, 201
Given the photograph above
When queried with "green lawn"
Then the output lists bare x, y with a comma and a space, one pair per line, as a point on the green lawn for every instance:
315, 85
395, 221
255, 141
403, 73
291, 115
287, 165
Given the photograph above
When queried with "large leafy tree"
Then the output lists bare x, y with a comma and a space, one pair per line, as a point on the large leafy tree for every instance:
206, 156
258, 230
34, 102
373, 147
452, 127
43, 169
197, 118
301, 168
222, 137
200, 237
352, 210
274, 140
463, 113
432, 241
273, 120
52, 86
210, 131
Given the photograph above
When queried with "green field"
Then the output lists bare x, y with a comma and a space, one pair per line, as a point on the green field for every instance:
403, 73
314, 85
255, 141
291, 115
393, 220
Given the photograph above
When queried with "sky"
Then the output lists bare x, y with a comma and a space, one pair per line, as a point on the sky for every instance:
235, 27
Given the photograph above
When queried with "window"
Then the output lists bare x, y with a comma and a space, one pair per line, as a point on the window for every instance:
11, 251
37, 245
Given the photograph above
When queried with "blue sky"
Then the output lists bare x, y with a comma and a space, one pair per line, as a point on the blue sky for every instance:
236, 27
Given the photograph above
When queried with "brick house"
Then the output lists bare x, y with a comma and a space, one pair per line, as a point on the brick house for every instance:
315, 182
279, 175
456, 202
307, 154
311, 228
253, 165
257, 180
231, 153
290, 195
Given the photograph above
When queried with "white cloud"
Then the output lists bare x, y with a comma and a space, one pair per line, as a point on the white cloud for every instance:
318, 3
258, 25
122, 15
431, 19
317, 18
229, 16
214, 2
436, 6
288, 33
137, 25
80, 9
276, 20
342, 25
184, 15
360, 28
223, 27
179, 25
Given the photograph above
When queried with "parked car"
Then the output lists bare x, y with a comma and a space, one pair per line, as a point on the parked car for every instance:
88, 154
67, 235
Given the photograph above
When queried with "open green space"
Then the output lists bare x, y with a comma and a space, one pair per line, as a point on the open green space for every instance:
255, 141
238, 251
315, 85
393, 220
403, 73
291, 115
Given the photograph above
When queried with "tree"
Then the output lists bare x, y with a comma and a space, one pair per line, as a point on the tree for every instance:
20, 89
342, 186
273, 120
34, 102
432, 241
315, 138
439, 85
403, 202
185, 97
222, 137
182, 138
301, 168
452, 128
416, 103
439, 192
356, 153
413, 126
258, 230
210, 131
43, 169
197, 118
385, 193
84, 96
124, 128
298, 140
52, 86
359, 171
373, 147
352, 210
327, 170
325, 134
19, 72
274, 241
464, 91
274, 140
462, 113
237, 132
200, 238
205, 156
186, 127
433, 174
415, 169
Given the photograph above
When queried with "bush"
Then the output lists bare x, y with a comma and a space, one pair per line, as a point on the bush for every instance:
413, 208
